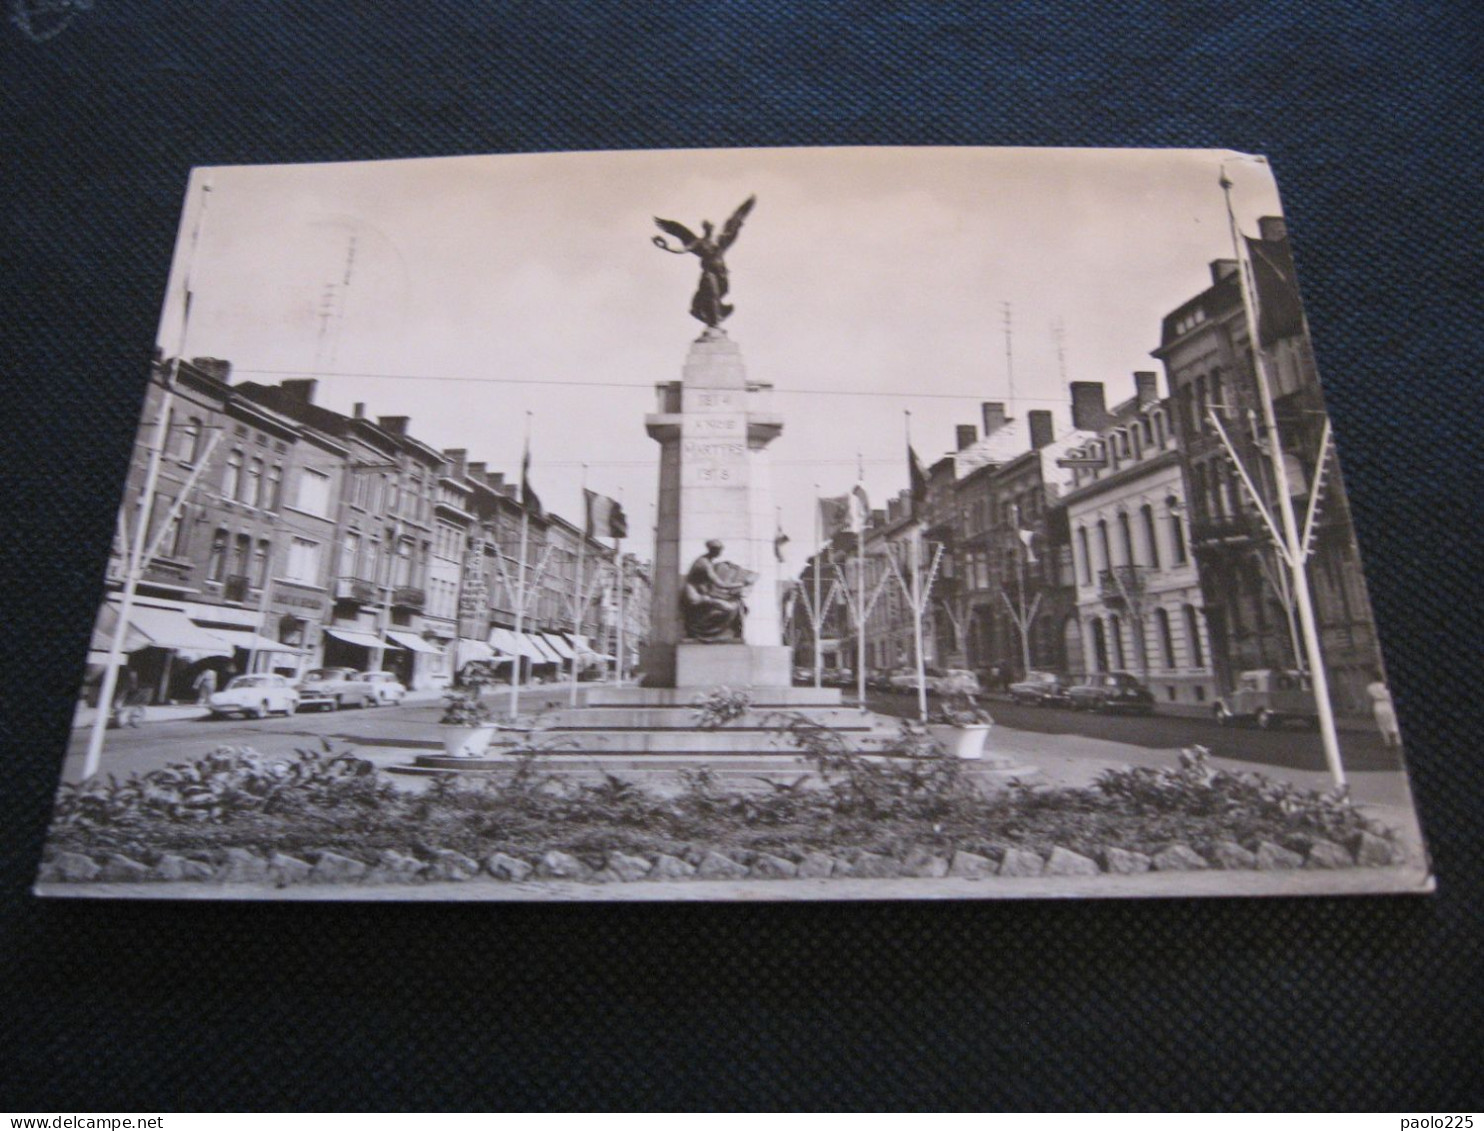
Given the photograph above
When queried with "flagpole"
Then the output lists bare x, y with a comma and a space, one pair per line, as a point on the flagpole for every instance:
579, 603
1297, 557
618, 632
134, 563
817, 614
520, 575
860, 555
916, 547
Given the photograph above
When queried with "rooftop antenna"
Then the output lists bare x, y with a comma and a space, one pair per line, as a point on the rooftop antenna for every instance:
332, 310
1009, 357
1059, 336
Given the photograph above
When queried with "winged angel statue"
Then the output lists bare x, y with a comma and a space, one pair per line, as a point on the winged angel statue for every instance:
709, 305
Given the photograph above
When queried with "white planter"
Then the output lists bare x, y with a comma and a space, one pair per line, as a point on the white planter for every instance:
467, 741
968, 742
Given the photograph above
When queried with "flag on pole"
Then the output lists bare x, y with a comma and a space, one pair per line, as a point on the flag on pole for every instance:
918, 476
834, 516
1028, 537
860, 508
528, 497
605, 517
1279, 312
779, 541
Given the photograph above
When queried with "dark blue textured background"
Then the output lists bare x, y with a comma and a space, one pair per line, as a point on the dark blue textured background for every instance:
1369, 112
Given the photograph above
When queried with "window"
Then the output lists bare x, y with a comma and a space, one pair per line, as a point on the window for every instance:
1166, 638
1193, 635
1200, 403
232, 478
188, 440
303, 564
1104, 545
260, 564
217, 566
240, 555
350, 551
1127, 533
252, 488
1115, 630
1177, 539
272, 495
1151, 535
402, 575
314, 492
178, 540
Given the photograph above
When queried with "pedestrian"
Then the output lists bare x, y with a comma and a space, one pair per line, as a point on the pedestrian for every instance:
1383, 710
205, 686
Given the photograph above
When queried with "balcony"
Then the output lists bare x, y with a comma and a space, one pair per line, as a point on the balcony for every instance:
409, 597
1117, 586
1225, 530
355, 589
234, 589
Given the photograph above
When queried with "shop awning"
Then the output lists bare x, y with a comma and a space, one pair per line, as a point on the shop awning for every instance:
518, 644
169, 628
412, 642
252, 641
547, 652
472, 651
209, 616
558, 645
362, 639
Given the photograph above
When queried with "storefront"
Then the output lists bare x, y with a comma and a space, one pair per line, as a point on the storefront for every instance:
166, 649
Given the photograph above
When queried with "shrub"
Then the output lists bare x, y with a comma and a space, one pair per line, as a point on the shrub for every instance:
719, 706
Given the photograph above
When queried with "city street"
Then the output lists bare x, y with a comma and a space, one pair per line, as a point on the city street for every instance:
1292, 748
413, 726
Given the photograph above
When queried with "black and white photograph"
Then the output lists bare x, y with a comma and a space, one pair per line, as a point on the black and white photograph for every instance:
750, 524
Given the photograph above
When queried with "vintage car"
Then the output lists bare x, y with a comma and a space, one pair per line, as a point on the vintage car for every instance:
254, 697
329, 689
1268, 697
1043, 689
1112, 691
388, 687
937, 680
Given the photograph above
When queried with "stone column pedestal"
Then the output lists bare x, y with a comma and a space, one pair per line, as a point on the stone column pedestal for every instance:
713, 427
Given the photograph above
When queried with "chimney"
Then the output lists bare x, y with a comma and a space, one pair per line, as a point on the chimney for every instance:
495, 479
967, 434
475, 470
215, 368
359, 411
1222, 269
1146, 387
458, 459
1089, 411
1042, 429
994, 417
1273, 228
300, 392
396, 425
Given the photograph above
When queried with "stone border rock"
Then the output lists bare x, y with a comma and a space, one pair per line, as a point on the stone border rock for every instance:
241, 866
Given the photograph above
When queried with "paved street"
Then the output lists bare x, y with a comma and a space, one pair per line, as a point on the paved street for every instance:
1290, 748
413, 726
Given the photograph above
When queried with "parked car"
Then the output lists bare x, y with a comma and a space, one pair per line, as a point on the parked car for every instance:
959, 681
1043, 689
1112, 691
1269, 697
329, 689
388, 687
254, 697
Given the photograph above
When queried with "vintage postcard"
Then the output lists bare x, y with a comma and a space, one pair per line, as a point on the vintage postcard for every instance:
735, 525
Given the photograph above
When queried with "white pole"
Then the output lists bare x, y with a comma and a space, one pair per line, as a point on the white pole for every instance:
860, 618
1296, 556
579, 602
520, 583
134, 568
618, 634
917, 621
817, 612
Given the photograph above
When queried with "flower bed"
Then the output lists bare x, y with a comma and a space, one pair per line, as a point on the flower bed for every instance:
332, 816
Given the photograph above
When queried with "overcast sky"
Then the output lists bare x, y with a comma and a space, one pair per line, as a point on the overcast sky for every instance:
866, 282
